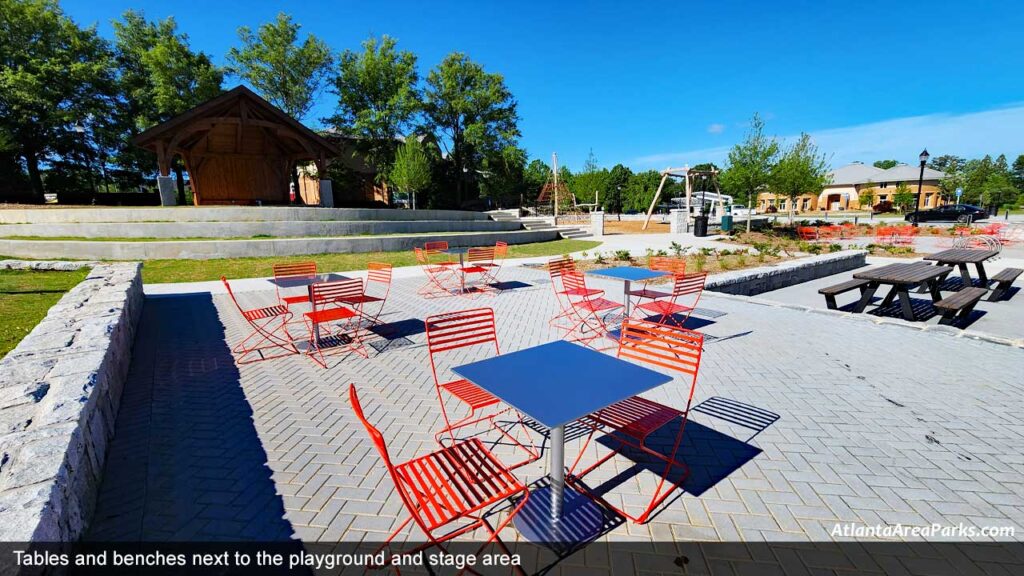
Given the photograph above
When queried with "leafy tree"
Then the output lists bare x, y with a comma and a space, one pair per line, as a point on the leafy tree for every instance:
800, 170
411, 171
885, 164
749, 165
640, 189
1017, 173
953, 167
53, 74
160, 77
590, 182
473, 110
289, 74
535, 176
616, 184
377, 98
903, 198
867, 195
975, 173
998, 192
504, 179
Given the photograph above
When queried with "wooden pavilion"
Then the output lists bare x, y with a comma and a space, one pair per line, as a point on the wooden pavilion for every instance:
237, 148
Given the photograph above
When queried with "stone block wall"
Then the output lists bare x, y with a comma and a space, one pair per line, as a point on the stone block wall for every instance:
59, 394
766, 278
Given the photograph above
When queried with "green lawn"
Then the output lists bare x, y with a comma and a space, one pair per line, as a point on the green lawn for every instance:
158, 271
25, 296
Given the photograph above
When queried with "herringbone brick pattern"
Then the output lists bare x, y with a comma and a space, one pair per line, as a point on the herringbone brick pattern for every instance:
875, 424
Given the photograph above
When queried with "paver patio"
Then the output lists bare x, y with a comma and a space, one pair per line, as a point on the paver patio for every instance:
876, 424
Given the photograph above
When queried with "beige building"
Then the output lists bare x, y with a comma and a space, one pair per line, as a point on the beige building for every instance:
849, 182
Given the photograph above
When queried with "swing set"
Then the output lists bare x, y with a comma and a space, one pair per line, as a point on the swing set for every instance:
694, 180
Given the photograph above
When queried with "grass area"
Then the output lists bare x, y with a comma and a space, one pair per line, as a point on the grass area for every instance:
158, 271
25, 296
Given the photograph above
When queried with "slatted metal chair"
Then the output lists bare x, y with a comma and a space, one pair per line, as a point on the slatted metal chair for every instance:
500, 252
448, 493
556, 267
634, 420
669, 264
686, 292
302, 274
455, 332
475, 272
342, 322
435, 251
442, 280
378, 275
590, 309
269, 331
808, 233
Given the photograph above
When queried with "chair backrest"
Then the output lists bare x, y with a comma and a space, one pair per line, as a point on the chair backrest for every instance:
379, 273
561, 265
231, 293
325, 294
574, 282
689, 284
295, 270
677, 349
500, 249
485, 254
435, 245
667, 264
457, 330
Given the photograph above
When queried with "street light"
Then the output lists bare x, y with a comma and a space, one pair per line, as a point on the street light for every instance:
920, 181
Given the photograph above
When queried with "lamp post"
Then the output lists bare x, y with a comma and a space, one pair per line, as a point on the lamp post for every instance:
920, 182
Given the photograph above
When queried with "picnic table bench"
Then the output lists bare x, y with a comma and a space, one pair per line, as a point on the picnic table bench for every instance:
831, 292
959, 305
902, 276
961, 257
1004, 279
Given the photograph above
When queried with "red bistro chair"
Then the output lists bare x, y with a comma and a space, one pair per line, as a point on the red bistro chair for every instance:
449, 489
269, 331
441, 279
808, 233
588, 307
500, 252
478, 262
556, 267
378, 275
686, 292
435, 250
327, 299
295, 271
635, 419
668, 264
453, 331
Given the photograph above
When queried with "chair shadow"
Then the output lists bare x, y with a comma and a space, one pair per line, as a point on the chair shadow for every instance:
399, 329
739, 413
186, 463
510, 285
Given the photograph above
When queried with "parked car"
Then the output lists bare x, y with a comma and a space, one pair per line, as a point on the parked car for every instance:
949, 213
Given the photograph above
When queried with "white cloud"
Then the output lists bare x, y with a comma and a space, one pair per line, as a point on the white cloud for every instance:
716, 128
973, 134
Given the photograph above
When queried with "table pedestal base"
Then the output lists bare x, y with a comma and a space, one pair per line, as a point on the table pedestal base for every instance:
582, 519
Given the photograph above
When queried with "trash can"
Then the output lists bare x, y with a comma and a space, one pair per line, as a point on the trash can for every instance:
727, 223
700, 226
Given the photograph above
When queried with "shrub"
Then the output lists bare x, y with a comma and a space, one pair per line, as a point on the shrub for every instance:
882, 207
623, 255
835, 247
741, 259
676, 248
599, 258
700, 259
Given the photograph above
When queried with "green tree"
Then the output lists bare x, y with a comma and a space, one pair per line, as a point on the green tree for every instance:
504, 179
953, 168
617, 183
998, 192
377, 98
53, 74
411, 171
749, 165
903, 198
160, 77
640, 190
287, 72
535, 176
800, 170
867, 195
885, 164
588, 183
473, 110
1017, 173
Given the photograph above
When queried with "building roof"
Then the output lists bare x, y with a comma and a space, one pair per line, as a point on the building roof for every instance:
853, 174
904, 173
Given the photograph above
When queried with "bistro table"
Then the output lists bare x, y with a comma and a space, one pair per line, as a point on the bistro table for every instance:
556, 384
461, 253
902, 277
628, 274
961, 257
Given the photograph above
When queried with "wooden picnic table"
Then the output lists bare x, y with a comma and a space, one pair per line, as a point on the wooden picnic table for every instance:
961, 257
902, 277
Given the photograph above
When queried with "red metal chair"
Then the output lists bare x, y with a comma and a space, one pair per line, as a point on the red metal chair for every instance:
669, 264
500, 252
441, 279
269, 325
847, 230
435, 253
299, 272
478, 262
808, 233
327, 299
378, 274
588, 306
686, 292
556, 267
446, 488
453, 331
636, 419
830, 232
885, 235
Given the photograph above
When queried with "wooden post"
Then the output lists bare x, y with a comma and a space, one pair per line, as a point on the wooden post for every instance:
689, 193
554, 170
654, 202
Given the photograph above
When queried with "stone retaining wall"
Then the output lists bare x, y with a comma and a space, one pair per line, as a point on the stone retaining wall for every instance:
766, 278
224, 214
59, 393
204, 249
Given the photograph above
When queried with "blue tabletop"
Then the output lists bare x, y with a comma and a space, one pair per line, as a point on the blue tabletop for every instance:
560, 382
631, 273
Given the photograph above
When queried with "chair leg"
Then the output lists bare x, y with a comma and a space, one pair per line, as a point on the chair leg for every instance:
268, 339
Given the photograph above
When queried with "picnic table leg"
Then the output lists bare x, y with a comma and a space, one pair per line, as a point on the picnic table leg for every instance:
933, 288
965, 274
981, 274
890, 296
866, 294
905, 304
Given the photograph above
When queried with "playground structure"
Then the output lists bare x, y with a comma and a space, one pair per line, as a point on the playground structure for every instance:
561, 198
691, 177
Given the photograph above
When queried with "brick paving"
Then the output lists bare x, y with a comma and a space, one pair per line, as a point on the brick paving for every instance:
858, 423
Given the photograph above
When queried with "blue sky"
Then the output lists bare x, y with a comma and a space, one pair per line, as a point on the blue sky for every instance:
669, 83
